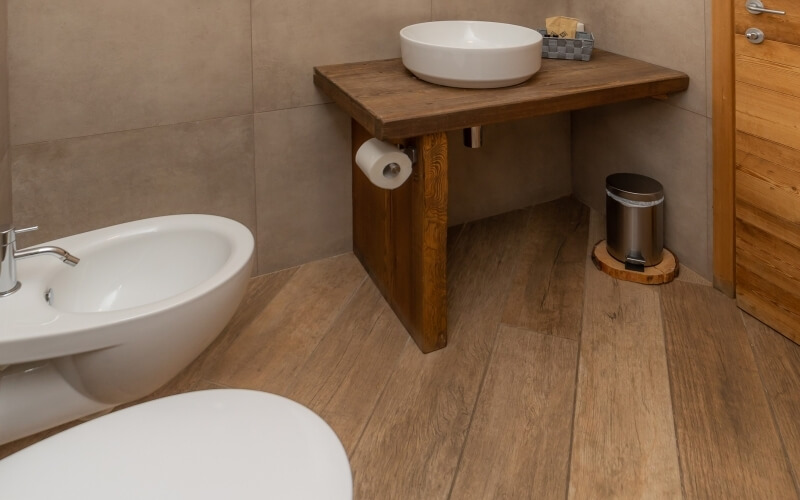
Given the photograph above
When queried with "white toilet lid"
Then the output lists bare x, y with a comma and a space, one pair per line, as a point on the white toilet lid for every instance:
225, 443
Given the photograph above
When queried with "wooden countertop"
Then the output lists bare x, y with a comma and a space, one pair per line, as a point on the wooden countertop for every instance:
391, 103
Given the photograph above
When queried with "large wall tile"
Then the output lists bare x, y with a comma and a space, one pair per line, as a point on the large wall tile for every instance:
521, 163
76, 185
291, 37
657, 140
303, 181
671, 34
93, 66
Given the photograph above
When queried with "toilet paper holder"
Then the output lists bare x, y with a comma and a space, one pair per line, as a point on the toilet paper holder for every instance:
410, 151
387, 165
393, 169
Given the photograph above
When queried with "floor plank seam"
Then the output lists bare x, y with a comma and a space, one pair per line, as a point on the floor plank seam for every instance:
347, 348
203, 380
380, 397
472, 414
577, 376
335, 321
771, 407
543, 333
670, 378
561, 244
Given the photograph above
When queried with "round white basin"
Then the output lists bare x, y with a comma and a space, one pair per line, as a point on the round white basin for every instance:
471, 54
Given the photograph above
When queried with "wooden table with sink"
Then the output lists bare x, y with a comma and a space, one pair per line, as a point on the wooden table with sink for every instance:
400, 236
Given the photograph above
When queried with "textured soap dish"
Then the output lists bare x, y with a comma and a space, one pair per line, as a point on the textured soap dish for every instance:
574, 49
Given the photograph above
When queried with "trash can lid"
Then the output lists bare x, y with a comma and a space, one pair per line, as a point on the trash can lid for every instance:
634, 187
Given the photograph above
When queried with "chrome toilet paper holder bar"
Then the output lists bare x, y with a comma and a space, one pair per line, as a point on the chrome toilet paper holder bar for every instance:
393, 169
410, 151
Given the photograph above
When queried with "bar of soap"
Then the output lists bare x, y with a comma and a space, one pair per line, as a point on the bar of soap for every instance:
562, 27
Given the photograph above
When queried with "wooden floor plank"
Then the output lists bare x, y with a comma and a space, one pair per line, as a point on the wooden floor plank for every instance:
260, 291
547, 293
623, 438
729, 447
779, 365
322, 336
519, 440
411, 446
342, 379
270, 351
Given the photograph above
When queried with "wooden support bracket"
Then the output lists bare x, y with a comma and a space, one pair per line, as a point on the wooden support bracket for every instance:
400, 236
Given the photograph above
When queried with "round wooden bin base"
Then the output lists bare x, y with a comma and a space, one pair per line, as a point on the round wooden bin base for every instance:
663, 272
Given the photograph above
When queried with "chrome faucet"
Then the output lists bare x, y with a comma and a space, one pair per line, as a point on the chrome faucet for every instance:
9, 255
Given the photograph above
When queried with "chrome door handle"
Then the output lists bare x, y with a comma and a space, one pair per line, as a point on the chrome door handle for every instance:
756, 7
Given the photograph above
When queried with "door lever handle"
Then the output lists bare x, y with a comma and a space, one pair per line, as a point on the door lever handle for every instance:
756, 7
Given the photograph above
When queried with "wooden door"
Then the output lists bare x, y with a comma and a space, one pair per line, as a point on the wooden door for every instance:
768, 165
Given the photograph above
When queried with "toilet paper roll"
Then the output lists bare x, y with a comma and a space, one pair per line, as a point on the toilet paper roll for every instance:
383, 164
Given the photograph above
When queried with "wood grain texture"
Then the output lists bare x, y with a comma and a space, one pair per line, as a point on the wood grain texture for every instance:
768, 114
624, 439
390, 103
779, 28
400, 236
412, 444
519, 439
768, 171
723, 145
766, 150
663, 272
768, 282
771, 187
768, 232
346, 373
547, 293
779, 365
771, 65
271, 350
729, 447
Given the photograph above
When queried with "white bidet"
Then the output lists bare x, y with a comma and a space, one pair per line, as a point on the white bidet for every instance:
145, 300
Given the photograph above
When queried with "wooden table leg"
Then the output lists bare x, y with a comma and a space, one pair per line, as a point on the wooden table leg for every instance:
400, 236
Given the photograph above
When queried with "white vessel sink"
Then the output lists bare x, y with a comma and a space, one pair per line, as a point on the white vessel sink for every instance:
471, 54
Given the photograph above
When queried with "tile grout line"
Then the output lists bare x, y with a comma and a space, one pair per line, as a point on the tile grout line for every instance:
775, 424
474, 410
252, 65
670, 380
133, 129
253, 121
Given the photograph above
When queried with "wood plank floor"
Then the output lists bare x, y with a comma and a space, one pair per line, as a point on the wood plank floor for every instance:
557, 382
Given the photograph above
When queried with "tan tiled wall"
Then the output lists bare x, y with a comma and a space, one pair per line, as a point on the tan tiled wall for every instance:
124, 110
670, 140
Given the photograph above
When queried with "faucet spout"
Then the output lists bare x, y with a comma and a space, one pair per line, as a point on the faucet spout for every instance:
59, 253
9, 255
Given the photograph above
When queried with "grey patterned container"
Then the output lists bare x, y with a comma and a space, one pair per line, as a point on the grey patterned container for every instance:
576, 49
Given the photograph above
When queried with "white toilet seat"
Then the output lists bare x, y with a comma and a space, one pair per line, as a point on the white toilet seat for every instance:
225, 443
